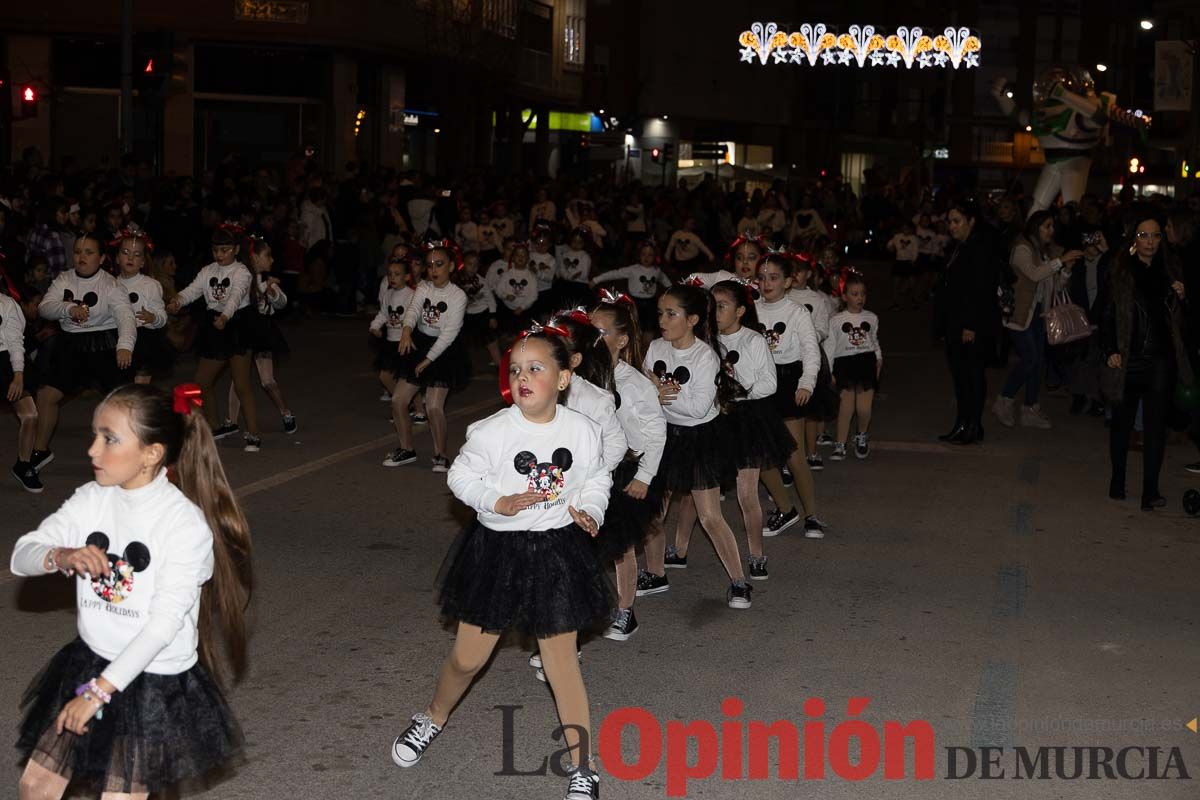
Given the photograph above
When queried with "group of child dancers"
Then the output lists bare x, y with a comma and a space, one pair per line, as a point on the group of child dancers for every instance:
607, 424
111, 319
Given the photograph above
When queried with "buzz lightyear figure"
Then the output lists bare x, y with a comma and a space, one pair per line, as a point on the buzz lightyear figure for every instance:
1070, 121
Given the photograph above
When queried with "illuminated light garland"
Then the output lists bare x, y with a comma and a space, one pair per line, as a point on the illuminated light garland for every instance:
862, 45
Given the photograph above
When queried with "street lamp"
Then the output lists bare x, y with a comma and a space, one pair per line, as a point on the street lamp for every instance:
664, 117
1147, 24
1009, 94
1102, 68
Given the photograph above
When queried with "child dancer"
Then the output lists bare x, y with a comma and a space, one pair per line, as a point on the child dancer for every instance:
574, 271
793, 344
153, 352
906, 248
743, 256
97, 340
16, 391
265, 339
643, 280
534, 474
433, 354
632, 506
516, 286
135, 703
853, 348
824, 402
389, 323
542, 262
755, 431
480, 325
696, 458
223, 339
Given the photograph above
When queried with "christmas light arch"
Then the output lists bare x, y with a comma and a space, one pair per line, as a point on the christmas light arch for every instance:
860, 45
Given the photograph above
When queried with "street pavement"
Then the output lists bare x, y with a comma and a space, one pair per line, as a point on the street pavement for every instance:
992, 591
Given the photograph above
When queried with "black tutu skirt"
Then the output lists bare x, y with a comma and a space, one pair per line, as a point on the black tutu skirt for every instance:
477, 328
264, 336
540, 583
161, 730
232, 340
855, 372
785, 394
153, 352
451, 370
757, 435
627, 520
84, 360
695, 457
824, 403
387, 357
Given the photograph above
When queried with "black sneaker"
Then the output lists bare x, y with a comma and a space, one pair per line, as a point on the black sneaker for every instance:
673, 560
758, 568
24, 472
813, 527
253, 443
38, 459
738, 596
815, 463
441, 464
583, 785
624, 626
412, 744
862, 445
227, 428
419, 419
779, 522
289, 423
787, 476
824, 440
649, 583
400, 456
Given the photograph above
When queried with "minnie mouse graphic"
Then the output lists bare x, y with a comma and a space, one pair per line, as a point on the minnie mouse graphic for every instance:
547, 476
219, 288
675, 379
395, 316
856, 334
119, 583
774, 334
431, 313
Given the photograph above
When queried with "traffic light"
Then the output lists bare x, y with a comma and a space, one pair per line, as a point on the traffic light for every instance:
669, 152
655, 154
29, 101
161, 65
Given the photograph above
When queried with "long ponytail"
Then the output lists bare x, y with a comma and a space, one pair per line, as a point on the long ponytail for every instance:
157, 417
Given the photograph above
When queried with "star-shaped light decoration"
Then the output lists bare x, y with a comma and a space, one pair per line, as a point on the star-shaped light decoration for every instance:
780, 55
893, 59
845, 57
748, 55
924, 60
797, 56
827, 57
972, 59
941, 59
877, 59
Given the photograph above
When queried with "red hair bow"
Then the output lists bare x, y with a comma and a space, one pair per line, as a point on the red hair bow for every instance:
186, 396
450, 246
578, 314
132, 231
233, 228
695, 281
506, 359
839, 286
751, 238
612, 298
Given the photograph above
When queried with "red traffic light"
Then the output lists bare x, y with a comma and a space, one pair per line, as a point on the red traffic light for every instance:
28, 95
149, 66
655, 154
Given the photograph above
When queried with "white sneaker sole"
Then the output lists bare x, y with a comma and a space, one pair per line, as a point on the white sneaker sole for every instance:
814, 534
816, 467
861, 456
387, 462
49, 458
226, 434
738, 604
535, 659
29, 489
440, 468
399, 760
768, 532
757, 577
619, 636
656, 590
675, 566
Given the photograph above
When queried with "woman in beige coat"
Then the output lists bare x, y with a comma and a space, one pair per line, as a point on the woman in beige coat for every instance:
1042, 268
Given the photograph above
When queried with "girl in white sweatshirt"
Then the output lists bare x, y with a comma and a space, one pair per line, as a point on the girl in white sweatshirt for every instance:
153, 353
853, 349
134, 703
534, 474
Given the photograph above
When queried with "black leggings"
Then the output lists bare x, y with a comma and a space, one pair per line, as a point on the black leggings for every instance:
968, 365
1148, 382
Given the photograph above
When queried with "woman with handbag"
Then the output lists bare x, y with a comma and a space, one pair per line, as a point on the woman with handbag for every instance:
1142, 331
970, 319
1041, 269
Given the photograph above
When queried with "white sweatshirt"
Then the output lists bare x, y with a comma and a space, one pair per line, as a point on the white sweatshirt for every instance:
506, 454
226, 290
600, 407
790, 336
574, 265
905, 246
543, 265
819, 304
480, 297
269, 301
437, 312
12, 334
108, 306
495, 272
145, 294
144, 617
517, 289
641, 417
851, 334
746, 352
694, 371
393, 304
643, 281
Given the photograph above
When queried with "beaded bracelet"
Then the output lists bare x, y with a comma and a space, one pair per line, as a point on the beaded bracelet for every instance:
52, 557
92, 692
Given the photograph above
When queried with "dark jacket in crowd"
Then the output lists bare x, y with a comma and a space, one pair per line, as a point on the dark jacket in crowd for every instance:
968, 296
1077, 287
1142, 319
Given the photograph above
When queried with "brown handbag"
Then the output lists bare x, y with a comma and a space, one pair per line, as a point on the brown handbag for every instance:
1066, 322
